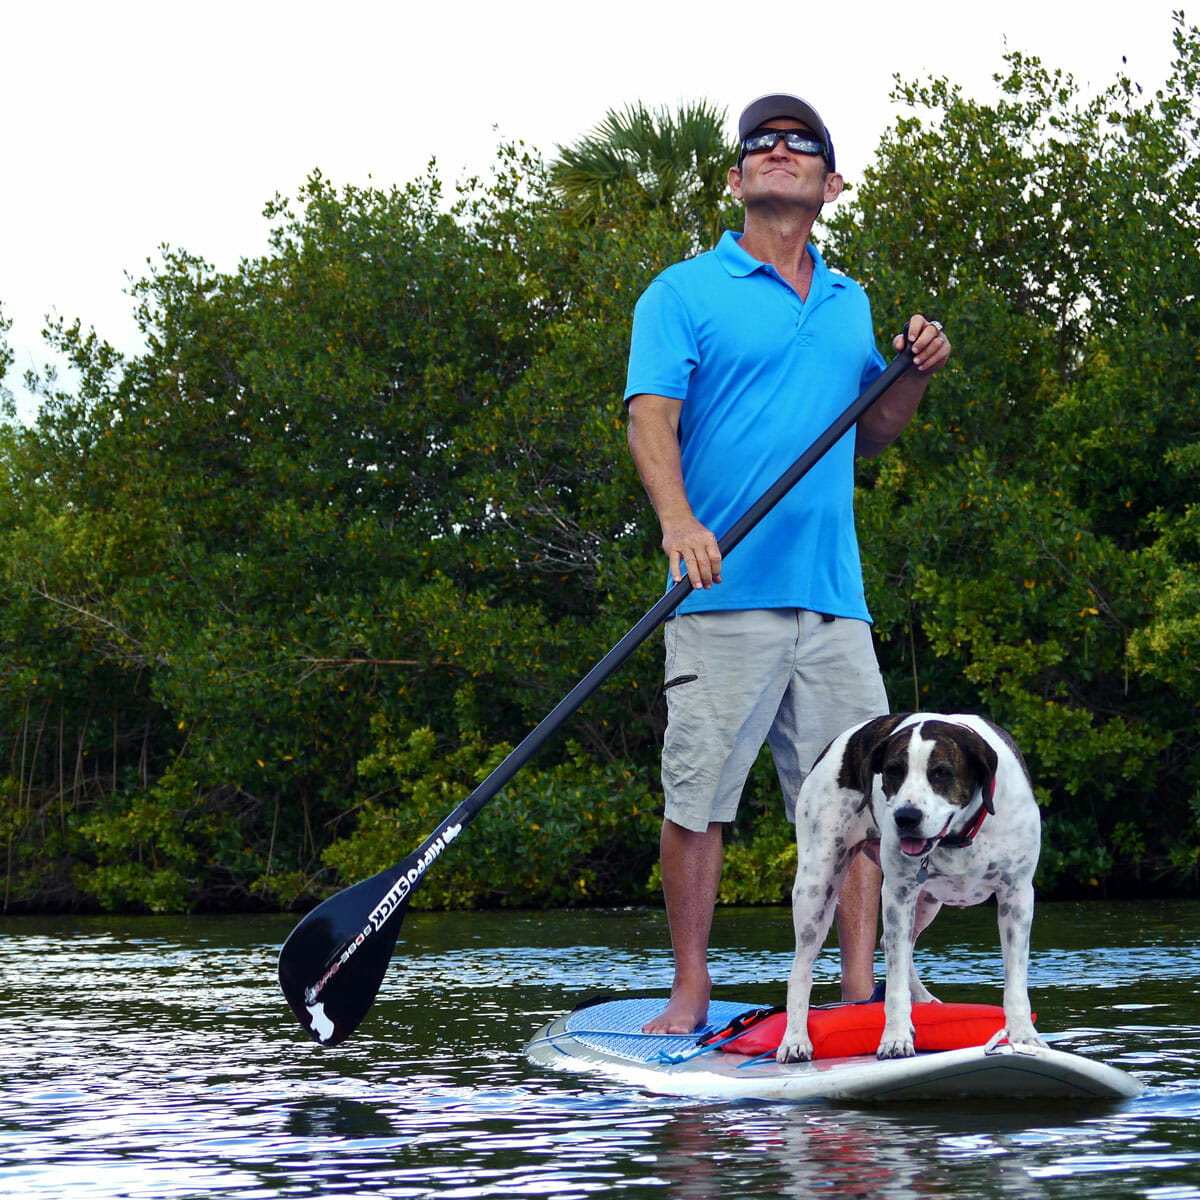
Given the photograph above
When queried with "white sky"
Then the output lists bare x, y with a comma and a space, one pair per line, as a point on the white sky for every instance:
129, 124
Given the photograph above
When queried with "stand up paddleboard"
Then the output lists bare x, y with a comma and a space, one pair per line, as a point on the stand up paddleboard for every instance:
605, 1038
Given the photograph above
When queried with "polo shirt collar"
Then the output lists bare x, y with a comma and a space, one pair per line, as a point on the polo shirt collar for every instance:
740, 264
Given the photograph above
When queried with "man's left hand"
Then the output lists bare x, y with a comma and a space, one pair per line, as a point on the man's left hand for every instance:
929, 343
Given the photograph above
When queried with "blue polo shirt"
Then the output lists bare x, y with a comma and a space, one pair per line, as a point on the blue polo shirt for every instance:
762, 374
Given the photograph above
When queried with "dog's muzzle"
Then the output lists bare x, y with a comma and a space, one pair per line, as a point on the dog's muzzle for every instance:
908, 820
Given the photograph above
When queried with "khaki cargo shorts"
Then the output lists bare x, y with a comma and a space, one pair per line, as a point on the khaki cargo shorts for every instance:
735, 680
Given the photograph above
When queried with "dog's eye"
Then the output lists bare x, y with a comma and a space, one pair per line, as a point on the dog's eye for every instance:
941, 773
894, 771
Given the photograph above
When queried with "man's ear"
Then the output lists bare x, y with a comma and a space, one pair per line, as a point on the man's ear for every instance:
735, 182
834, 183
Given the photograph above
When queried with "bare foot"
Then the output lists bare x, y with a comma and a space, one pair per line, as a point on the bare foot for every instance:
685, 1012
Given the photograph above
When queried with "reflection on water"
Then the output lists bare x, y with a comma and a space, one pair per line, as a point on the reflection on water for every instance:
155, 1058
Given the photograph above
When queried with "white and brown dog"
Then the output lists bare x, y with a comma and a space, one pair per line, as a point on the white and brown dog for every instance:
944, 804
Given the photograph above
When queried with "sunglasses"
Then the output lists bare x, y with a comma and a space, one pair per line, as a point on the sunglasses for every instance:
795, 140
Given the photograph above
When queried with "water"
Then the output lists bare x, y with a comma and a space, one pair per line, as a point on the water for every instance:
155, 1058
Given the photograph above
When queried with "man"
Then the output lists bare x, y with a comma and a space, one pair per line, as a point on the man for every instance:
740, 357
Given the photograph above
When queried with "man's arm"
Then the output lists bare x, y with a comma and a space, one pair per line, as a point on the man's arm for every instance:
888, 417
654, 443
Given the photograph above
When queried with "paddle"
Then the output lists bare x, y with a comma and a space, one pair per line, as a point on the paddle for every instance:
332, 964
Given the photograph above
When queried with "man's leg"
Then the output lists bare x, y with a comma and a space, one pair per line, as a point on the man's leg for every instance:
691, 874
725, 675
858, 927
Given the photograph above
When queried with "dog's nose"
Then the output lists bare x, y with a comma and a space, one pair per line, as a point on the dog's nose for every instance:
908, 819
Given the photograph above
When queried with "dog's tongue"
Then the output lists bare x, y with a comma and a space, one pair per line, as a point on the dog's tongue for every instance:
914, 846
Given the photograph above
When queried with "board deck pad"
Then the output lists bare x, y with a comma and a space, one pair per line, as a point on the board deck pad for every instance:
605, 1038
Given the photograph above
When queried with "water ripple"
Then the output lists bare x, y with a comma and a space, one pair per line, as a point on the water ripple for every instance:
156, 1058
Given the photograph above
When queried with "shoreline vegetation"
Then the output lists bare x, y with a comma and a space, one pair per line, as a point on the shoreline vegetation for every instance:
278, 593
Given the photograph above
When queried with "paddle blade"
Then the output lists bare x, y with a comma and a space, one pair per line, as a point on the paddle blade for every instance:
333, 962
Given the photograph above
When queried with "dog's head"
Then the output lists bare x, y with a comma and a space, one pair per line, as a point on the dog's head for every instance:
930, 771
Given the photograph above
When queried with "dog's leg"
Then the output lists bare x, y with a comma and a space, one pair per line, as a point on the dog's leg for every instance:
928, 907
819, 876
899, 914
1014, 915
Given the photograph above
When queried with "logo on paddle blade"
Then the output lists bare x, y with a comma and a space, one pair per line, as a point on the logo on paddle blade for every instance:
393, 898
322, 1026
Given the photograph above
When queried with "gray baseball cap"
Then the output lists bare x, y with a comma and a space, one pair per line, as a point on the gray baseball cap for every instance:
779, 104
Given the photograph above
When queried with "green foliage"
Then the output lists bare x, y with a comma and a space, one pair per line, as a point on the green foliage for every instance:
576, 832
276, 593
675, 162
1073, 860
144, 851
763, 870
1031, 542
377, 473
8, 407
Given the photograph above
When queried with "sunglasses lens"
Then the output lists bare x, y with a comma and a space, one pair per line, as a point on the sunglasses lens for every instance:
796, 142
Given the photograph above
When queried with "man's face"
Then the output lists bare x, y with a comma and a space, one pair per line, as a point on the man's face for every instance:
783, 175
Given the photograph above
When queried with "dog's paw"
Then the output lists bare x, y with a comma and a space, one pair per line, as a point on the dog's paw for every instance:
1022, 1034
896, 1046
794, 1046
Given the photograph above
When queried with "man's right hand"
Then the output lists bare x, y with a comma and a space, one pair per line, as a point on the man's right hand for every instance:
690, 545
654, 443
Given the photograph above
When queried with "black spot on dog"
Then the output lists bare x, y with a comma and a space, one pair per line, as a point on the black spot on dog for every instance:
890, 759
961, 763
855, 772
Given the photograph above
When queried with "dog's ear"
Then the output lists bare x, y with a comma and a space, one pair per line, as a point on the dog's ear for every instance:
875, 762
983, 761
863, 759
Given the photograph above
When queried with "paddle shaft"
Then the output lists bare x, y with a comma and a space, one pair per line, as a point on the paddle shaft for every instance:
410, 873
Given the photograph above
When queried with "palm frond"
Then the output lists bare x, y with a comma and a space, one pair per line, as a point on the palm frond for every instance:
653, 158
